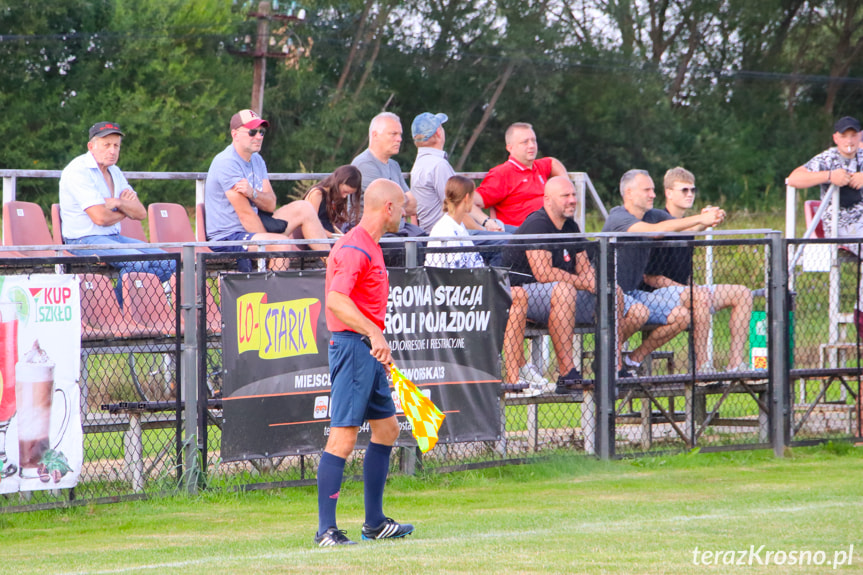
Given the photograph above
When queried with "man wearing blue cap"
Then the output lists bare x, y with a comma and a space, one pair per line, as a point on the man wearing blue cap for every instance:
431, 171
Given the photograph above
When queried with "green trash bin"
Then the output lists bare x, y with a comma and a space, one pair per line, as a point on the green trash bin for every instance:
758, 340
758, 326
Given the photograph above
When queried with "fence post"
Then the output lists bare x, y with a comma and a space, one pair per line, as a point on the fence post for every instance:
191, 437
410, 455
605, 352
779, 341
8, 195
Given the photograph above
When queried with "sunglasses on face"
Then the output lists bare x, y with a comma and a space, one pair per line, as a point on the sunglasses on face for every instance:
686, 191
254, 132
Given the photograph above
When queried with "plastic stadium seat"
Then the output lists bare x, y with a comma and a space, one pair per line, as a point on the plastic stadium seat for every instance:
169, 223
132, 229
101, 316
809, 209
24, 225
147, 304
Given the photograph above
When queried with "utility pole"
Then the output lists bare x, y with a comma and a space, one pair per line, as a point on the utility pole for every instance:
260, 56
291, 47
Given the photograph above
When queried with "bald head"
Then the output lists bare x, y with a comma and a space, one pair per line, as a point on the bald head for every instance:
383, 207
379, 193
559, 199
558, 185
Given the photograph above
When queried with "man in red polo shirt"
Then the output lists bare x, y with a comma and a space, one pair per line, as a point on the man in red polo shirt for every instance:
356, 291
516, 187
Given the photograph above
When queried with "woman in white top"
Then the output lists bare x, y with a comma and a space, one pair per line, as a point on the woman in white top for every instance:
458, 201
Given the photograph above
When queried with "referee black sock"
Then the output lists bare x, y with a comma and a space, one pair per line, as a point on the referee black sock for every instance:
376, 466
330, 472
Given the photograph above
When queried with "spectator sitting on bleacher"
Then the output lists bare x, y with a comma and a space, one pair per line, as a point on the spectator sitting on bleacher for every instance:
675, 265
841, 166
668, 304
458, 202
431, 172
555, 286
238, 190
376, 161
515, 188
336, 199
95, 197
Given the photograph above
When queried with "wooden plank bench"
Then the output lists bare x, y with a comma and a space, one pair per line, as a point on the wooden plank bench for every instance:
696, 416
132, 418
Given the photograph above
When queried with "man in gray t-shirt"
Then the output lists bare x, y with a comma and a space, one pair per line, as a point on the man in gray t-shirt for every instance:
238, 189
668, 304
376, 161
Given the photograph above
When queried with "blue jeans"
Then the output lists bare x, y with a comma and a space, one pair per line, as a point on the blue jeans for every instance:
492, 257
162, 268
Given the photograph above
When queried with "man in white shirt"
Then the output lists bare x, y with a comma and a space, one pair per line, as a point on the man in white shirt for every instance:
95, 197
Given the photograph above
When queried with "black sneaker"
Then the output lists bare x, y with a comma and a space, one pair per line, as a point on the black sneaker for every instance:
389, 529
571, 379
624, 373
333, 536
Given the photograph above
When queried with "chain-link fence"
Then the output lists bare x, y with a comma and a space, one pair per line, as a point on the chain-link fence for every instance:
701, 368
715, 380
824, 331
129, 376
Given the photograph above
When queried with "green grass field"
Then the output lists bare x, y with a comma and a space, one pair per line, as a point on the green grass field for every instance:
570, 515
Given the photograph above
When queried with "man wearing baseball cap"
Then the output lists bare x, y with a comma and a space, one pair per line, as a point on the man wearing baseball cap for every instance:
430, 173
241, 203
840, 166
95, 197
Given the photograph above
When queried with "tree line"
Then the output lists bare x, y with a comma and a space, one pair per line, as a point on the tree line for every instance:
739, 92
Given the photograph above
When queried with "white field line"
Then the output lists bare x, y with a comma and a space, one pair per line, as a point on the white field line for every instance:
605, 526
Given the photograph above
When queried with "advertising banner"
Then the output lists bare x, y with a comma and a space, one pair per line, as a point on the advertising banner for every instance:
445, 329
41, 440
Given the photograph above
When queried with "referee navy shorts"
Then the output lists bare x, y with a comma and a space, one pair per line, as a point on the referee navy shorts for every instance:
360, 390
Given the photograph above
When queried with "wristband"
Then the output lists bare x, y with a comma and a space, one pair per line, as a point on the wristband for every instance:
484, 222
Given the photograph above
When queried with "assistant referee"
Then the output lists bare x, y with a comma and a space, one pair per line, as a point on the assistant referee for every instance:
356, 290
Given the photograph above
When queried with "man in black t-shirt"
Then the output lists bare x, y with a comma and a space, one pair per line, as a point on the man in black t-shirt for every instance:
675, 264
554, 284
668, 304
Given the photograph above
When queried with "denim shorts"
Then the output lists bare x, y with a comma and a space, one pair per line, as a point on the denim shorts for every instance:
360, 390
659, 302
244, 265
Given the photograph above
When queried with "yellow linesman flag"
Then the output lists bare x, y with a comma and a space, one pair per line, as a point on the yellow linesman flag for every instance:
424, 415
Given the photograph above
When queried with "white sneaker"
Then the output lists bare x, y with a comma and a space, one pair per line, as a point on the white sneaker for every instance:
547, 387
744, 366
529, 391
531, 374
707, 368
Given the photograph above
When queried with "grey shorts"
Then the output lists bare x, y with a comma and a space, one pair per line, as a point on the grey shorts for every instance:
539, 304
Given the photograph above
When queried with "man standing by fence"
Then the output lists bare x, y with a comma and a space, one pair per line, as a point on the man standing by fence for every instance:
356, 298
840, 166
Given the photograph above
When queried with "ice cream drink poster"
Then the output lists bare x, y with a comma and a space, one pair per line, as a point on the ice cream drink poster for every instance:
41, 442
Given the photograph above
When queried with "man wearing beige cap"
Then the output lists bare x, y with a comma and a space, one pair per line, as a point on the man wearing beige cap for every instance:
95, 197
241, 203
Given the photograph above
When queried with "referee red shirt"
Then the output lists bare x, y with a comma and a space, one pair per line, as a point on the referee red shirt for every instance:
514, 190
355, 268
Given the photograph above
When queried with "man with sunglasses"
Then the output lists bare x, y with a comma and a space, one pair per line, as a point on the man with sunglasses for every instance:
672, 266
241, 203
95, 197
